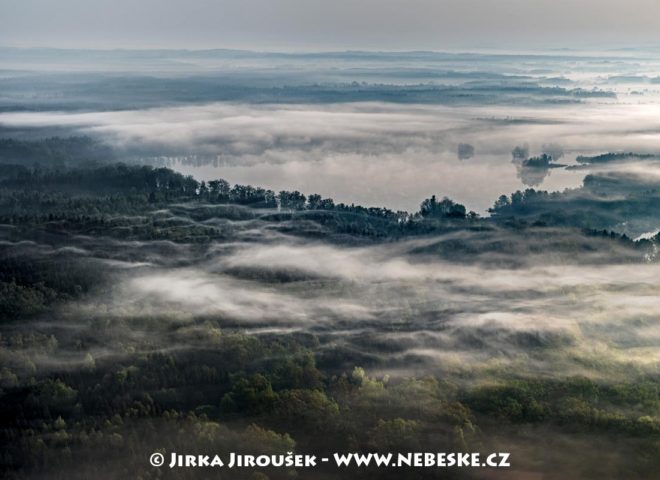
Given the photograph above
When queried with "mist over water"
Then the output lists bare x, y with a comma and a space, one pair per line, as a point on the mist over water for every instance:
372, 128
145, 309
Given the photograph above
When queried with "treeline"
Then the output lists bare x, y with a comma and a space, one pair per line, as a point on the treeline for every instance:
114, 178
616, 201
82, 199
64, 151
614, 157
166, 185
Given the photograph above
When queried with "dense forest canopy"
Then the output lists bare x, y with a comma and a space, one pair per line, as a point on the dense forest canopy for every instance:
142, 309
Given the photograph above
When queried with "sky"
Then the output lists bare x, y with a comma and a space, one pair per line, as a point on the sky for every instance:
321, 24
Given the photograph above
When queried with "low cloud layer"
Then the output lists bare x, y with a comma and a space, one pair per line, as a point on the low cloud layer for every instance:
390, 307
403, 153
370, 128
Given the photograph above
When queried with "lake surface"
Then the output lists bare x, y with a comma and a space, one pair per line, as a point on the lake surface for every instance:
380, 129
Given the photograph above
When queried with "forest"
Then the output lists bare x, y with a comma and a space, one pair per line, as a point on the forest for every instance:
142, 310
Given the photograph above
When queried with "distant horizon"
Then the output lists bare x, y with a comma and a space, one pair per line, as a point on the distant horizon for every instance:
336, 50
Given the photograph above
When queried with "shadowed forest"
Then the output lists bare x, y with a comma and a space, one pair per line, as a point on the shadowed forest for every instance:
144, 310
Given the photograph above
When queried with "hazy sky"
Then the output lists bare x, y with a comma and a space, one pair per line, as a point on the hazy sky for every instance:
329, 24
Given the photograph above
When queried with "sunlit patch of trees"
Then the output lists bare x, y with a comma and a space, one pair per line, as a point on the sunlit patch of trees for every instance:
250, 394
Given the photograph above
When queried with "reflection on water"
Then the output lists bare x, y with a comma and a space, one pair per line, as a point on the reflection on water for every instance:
379, 129
477, 182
